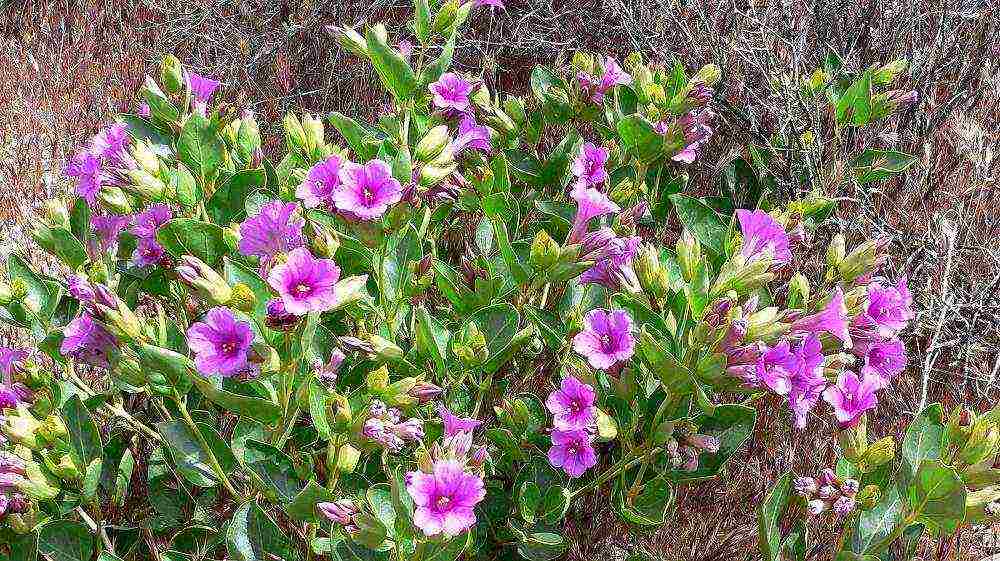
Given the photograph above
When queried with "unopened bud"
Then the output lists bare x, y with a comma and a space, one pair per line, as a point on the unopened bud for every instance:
879, 453
653, 276
349, 39
688, 255
982, 442
243, 298
854, 441
835, 251
708, 75
295, 135
432, 144
314, 133
171, 74
888, 73
544, 251
114, 199
798, 291
56, 215
424, 391
868, 497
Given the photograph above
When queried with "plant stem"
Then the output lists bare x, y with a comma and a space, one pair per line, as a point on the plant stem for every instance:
623, 465
212, 460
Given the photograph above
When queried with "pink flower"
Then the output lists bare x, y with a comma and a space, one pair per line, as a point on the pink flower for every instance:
445, 498
275, 229
763, 235
305, 283
776, 368
572, 451
887, 357
220, 343
588, 166
453, 424
319, 185
833, 320
613, 76
591, 204
615, 270
88, 341
149, 221
451, 92
471, 135
852, 396
607, 338
86, 169
367, 191
808, 382
202, 87
572, 404
888, 309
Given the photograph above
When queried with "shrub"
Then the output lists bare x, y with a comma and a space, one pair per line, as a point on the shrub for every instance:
380, 350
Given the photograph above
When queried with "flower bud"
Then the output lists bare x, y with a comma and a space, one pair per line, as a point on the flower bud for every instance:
114, 199
879, 453
56, 215
860, 261
22, 428
384, 349
340, 512
314, 133
432, 144
708, 75
446, 16
688, 255
327, 373
145, 157
798, 291
171, 74
854, 441
470, 345
479, 457
243, 298
888, 73
203, 279
983, 440
295, 135
653, 276
146, 185
349, 39
544, 251
513, 106
868, 497
424, 392
959, 423
835, 251
6, 294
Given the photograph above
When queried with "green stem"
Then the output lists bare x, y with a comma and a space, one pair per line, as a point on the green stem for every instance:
212, 460
624, 465
896, 533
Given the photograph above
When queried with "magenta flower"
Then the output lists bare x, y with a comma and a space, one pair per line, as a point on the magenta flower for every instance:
277, 317
615, 269
147, 252
471, 135
572, 404
451, 92
572, 451
453, 424
149, 221
111, 145
202, 87
888, 309
693, 127
274, 230
588, 166
808, 382
613, 76
591, 203
305, 283
763, 235
833, 320
319, 185
10, 361
776, 368
86, 169
852, 396
491, 3
220, 343
87, 341
445, 498
607, 338
367, 191
106, 228
887, 357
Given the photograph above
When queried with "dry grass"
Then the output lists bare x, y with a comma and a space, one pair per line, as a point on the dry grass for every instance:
69, 64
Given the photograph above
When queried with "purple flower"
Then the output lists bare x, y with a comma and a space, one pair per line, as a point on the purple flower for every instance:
693, 127
10, 361
613, 76
327, 373
572, 451
319, 185
147, 252
776, 367
471, 135
607, 338
451, 92
615, 269
87, 341
149, 221
453, 424
367, 191
888, 309
852, 396
572, 404
887, 357
591, 203
808, 382
106, 228
220, 343
588, 166
202, 87
833, 320
342, 512
144, 111
274, 230
305, 283
491, 3
111, 145
86, 169
763, 235
445, 498
279, 318
8, 397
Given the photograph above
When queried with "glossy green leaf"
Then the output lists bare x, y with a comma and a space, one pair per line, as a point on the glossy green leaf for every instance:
769, 513
201, 148
255, 408
253, 536
186, 236
392, 68
702, 221
65, 540
228, 202
84, 437
640, 139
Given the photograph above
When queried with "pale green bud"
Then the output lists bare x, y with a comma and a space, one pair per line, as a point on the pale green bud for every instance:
653, 276
146, 185
983, 440
295, 135
56, 215
688, 255
314, 133
432, 144
708, 75
171, 74
798, 291
881, 452
446, 15
544, 251
514, 107
888, 73
114, 199
350, 39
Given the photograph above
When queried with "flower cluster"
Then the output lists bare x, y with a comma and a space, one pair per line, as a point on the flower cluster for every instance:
385, 426
828, 492
148, 251
594, 88
105, 161
574, 424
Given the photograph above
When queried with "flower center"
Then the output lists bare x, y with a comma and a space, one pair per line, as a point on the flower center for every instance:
574, 449
574, 406
229, 348
302, 289
443, 501
606, 341
368, 194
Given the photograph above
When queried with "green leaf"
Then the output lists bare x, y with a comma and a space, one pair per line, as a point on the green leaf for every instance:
519, 271
421, 21
317, 408
228, 202
45, 296
640, 139
525, 166
924, 440
392, 68
702, 221
855, 106
552, 93
557, 166
303, 507
453, 288
498, 324
542, 546
201, 148
253, 536
253, 407
64, 540
357, 136
937, 495
769, 515
550, 327
732, 425
186, 236
432, 339
192, 463
275, 469
236, 273
67, 248
662, 183
160, 106
84, 438
649, 506
875, 165
876, 524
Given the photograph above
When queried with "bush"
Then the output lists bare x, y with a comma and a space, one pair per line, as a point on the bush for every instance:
380, 349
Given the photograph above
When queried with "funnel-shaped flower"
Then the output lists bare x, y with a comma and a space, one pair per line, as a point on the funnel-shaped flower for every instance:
471, 135
220, 343
572, 451
591, 203
453, 424
852, 396
86, 169
87, 341
572, 404
367, 191
451, 92
606, 339
588, 166
305, 283
445, 498
833, 320
887, 357
272, 231
202, 87
888, 309
316, 191
149, 221
615, 270
762, 236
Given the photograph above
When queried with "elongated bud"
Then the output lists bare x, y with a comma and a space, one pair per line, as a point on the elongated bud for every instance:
6, 294
349, 39
653, 276
145, 157
432, 144
210, 284
881, 452
982, 442
688, 255
341, 512
314, 133
146, 185
56, 215
248, 140
854, 441
798, 291
888, 73
544, 251
513, 106
295, 135
385, 349
862, 260
708, 75
446, 16
424, 391
171, 74
114, 199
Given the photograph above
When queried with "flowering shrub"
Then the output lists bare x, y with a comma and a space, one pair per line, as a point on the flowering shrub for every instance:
379, 349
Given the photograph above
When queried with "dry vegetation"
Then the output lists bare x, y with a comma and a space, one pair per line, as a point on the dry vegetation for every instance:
69, 64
